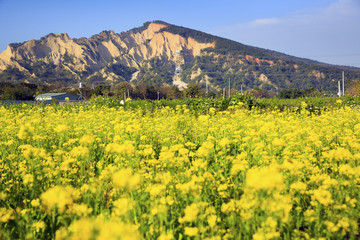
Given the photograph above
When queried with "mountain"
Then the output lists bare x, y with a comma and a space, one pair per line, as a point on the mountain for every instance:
150, 53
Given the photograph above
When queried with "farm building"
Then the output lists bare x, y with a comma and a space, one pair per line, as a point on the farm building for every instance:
59, 97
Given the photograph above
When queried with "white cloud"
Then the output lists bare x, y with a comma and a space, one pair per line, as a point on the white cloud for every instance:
265, 21
344, 7
329, 35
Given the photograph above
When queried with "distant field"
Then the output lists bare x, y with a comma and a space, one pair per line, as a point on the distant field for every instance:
189, 169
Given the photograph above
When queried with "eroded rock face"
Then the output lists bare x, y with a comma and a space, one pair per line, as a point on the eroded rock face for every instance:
149, 54
130, 49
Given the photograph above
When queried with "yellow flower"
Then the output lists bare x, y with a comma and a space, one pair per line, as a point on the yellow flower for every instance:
265, 178
156, 190
99, 228
79, 151
28, 179
339, 101
35, 202
81, 209
212, 220
323, 196
87, 140
159, 209
127, 148
3, 196
278, 142
58, 196
148, 152
38, 226
25, 131
229, 207
166, 236
225, 142
191, 231
212, 111
239, 164
339, 154
205, 149
6, 215
331, 226
122, 205
61, 128
124, 178
191, 213
298, 187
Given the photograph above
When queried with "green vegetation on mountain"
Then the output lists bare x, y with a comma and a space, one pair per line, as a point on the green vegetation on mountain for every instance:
156, 72
110, 58
11, 74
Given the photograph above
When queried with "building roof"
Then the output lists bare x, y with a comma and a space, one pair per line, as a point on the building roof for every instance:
58, 96
45, 95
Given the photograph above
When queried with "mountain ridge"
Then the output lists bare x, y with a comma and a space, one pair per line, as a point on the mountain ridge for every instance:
151, 51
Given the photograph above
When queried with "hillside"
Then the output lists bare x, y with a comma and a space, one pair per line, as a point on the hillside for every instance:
147, 54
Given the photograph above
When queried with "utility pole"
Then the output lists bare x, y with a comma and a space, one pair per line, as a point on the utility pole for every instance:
343, 80
229, 87
81, 91
339, 89
223, 92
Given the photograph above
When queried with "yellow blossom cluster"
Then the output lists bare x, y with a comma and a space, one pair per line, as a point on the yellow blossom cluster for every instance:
95, 172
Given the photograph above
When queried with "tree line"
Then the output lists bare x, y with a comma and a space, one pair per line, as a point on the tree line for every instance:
28, 91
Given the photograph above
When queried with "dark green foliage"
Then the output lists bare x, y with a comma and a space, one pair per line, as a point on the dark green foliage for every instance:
284, 72
45, 72
174, 93
11, 74
67, 58
121, 70
194, 91
143, 91
95, 79
222, 46
261, 93
140, 29
122, 90
20, 91
295, 93
290, 93
186, 32
101, 90
156, 72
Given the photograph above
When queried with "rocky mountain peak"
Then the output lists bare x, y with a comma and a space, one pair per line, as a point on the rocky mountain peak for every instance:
149, 53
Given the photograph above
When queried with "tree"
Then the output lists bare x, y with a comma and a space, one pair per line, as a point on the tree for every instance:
261, 93
144, 91
122, 89
102, 89
194, 91
354, 89
290, 93
174, 93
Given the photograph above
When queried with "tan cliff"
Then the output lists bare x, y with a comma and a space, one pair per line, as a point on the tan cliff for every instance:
150, 54
129, 48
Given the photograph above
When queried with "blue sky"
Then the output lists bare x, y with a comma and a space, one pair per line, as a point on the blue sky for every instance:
323, 30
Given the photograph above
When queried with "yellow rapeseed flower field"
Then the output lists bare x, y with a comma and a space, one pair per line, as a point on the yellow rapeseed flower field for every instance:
94, 172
